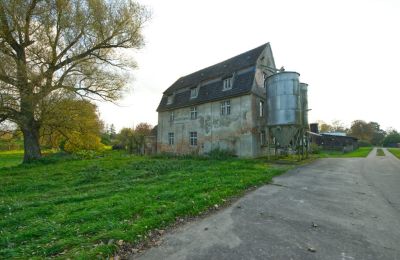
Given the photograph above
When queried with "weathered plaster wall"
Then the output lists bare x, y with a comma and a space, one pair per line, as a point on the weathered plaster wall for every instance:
237, 132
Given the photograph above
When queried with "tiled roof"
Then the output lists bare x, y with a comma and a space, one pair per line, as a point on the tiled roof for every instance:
213, 91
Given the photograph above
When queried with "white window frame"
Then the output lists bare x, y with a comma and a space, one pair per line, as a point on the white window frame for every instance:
225, 107
171, 138
194, 92
193, 113
193, 138
227, 84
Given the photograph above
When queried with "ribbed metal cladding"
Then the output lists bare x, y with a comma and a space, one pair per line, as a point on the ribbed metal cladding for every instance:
284, 99
304, 103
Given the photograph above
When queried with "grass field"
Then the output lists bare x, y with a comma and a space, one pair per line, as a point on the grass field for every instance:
73, 208
10, 158
380, 152
395, 152
360, 152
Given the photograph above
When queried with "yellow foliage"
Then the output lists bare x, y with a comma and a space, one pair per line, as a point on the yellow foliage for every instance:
83, 141
72, 124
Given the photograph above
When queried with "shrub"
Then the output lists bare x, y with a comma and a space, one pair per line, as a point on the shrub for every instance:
87, 154
220, 154
364, 143
315, 149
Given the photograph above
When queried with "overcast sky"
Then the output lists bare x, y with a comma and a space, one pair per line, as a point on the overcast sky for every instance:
348, 51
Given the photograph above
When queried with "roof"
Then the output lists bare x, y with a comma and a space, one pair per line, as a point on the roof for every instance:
242, 82
338, 136
335, 133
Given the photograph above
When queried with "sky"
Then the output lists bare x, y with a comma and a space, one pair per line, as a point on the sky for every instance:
348, 51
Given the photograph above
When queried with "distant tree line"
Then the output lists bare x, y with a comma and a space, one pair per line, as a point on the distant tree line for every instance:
368, 133
130, 139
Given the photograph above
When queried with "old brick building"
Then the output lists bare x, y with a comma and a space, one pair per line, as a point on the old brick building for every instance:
221, 106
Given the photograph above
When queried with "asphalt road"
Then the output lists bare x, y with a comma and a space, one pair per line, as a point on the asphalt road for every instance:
340, 209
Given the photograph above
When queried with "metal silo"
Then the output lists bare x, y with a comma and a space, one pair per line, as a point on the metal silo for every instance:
304, 104
283, 99
284, 116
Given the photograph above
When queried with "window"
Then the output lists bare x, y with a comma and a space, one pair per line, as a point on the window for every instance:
171, 138
193, 138
261, 112
171, 116
227, 84
193, 93
193, 113
262, 138
169, 100
226, 107
265, 80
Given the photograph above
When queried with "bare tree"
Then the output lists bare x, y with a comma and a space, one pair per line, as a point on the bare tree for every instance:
57, 46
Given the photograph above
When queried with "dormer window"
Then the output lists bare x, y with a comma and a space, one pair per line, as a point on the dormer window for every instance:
194, 92
170, 99
227, 84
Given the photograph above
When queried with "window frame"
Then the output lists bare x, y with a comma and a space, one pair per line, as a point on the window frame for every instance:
263, 138
193, 138
225, 108
171, 116
171, 138
227, 83
170, 99
261, 108
193, 113
194, 90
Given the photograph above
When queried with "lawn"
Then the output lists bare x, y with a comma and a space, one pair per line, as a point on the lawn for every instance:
10, 158
395, 152
360, 152
73, 208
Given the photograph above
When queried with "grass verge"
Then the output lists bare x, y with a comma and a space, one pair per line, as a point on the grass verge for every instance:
88, 208
380, 152
395, 152
360, 152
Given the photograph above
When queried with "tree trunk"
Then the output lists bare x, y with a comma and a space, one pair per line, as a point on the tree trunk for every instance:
32, 151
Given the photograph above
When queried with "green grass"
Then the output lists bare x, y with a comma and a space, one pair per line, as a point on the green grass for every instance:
73, 208
380, 152
10, 158
360, 152
395, 152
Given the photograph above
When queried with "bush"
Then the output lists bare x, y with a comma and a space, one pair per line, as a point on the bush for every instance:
220, 154
118, 147
315, 149
87, 154
364, 143
83, 142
